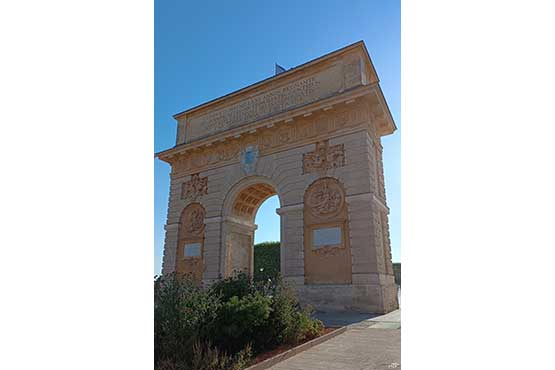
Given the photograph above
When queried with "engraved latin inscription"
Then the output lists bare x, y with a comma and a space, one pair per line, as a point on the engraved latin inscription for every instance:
295, 94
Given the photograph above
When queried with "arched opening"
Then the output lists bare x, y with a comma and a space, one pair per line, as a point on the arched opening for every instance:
267, 238
241, 215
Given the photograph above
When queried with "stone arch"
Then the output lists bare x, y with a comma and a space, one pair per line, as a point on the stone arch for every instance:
238, 215
324, 118
190, 246
244, 184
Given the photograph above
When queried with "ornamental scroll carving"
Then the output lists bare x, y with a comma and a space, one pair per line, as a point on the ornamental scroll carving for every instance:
328, 251
195, 187
325, 198
323, 158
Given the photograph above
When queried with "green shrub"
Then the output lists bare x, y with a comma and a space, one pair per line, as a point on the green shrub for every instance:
240, 320
221, 327
304, 327
182, 312
206, 357
240, 285
397, 272
266, 260
287, 323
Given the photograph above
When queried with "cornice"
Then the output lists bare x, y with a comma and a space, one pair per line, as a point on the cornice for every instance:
288, 117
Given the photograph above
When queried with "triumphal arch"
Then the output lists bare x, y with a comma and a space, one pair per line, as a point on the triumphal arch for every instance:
311, 135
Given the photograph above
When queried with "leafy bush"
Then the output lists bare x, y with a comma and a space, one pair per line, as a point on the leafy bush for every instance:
266, 261
182, 311
240, 285
221, 327
240, 319
288, 322
397, 272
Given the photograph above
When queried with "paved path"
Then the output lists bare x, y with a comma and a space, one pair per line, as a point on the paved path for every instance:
367, 345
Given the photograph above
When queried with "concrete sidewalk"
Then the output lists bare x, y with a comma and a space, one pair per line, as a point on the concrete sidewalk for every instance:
368, 344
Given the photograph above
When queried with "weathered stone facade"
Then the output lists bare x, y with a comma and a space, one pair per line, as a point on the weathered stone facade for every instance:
311, 135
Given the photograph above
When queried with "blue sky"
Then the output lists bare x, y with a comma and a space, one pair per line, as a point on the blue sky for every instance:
206, 49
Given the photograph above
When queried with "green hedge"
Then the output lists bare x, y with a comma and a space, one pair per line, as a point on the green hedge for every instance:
397, 272
266, 261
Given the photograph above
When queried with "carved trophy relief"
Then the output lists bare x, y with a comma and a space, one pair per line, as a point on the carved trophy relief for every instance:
323, 158
195, 187
325, 198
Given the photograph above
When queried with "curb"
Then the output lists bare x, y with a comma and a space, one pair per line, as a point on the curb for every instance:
296, 350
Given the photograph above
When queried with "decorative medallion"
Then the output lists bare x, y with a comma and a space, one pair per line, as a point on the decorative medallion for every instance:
194, 219
325, 198
325, 157
195, 187
249, 159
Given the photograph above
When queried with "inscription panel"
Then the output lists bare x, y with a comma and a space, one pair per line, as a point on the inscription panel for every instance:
192, 250
333, 80
329, 236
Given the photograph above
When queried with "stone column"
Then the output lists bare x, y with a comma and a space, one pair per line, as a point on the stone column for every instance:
373, 286
237, 246
212, 249
292, 244
170, 248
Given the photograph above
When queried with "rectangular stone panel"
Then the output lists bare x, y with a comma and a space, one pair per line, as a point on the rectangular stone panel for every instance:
329, 236
192, 250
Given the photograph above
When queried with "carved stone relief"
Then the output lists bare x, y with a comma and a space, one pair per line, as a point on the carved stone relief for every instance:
249, 159
327, 252
269, 139
195, 187
194, 219
379, 172
325, 198
191, 241
323, 158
